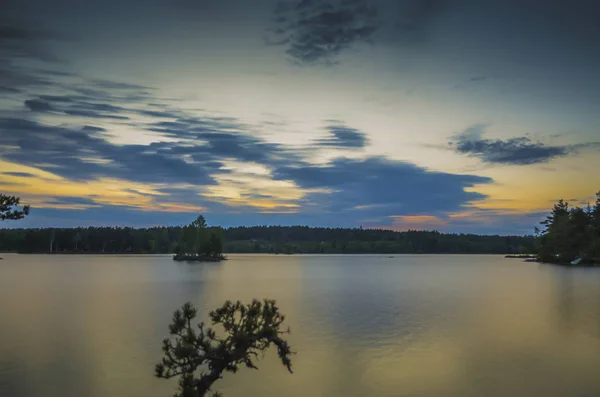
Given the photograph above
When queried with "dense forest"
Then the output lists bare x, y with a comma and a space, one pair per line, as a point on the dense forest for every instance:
571, 233
258, 239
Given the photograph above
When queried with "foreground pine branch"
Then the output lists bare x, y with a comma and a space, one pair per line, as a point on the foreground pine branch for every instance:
198, 357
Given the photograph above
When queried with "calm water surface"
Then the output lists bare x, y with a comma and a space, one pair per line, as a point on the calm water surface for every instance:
464, 326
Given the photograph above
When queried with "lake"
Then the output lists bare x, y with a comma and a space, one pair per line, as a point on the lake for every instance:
408, 325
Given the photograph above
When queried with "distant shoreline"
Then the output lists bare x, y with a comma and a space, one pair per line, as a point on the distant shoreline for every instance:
261, 239
83, 253
255, 253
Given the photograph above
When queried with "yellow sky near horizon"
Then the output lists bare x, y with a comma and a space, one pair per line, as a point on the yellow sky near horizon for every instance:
516, 190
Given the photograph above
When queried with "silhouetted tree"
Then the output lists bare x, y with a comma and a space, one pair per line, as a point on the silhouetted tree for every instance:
555, 234
571, 232
579, 236
214, 247
10, 208
595, 228
199, 223
198, 357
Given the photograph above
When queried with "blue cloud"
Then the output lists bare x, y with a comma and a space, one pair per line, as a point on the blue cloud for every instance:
344, 137
159, 113
379, 186
94, 114
36, 105
65, 151
67, 200
514, 151
318, 31
56, 98
347, 190
20, 174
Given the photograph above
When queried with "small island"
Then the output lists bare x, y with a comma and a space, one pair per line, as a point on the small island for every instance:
199, 243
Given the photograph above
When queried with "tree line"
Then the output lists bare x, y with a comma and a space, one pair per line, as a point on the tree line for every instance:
570, 233
255, 239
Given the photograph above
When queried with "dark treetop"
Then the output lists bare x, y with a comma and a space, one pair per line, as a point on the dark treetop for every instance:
570, 232
9, 208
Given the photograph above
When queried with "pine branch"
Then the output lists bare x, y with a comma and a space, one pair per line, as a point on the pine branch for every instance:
249, 329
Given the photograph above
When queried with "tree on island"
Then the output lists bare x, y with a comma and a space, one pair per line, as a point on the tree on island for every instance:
10, 208
570, 232
198, 357
198, 240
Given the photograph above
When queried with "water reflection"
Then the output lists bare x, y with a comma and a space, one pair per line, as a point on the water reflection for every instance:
577, 300
365, 325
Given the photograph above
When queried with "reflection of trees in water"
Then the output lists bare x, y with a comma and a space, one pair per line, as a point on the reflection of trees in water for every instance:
566, 301
577, 297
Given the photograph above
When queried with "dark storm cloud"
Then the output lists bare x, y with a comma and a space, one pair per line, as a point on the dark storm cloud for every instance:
514, 151
317, 31
344, 137
377, 185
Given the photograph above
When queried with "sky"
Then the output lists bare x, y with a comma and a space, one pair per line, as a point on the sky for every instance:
455, 115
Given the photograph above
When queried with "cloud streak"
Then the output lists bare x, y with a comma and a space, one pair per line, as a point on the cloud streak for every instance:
513, 151
341, 136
